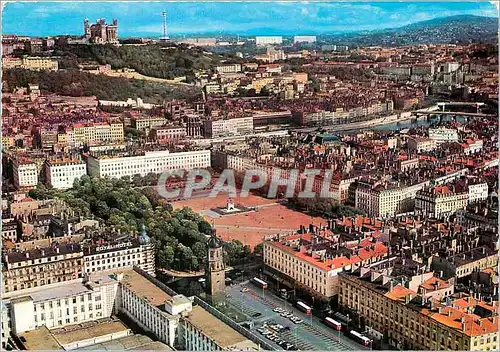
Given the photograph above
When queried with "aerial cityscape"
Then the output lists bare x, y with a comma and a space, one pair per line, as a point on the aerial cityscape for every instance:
246, 176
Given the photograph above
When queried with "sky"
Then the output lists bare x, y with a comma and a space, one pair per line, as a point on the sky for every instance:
243, 18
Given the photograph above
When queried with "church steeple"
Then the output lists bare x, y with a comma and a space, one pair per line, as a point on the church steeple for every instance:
215, 270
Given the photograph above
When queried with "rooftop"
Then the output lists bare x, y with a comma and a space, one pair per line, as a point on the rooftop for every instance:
144, 288
214, 328
85, 331
128, 343
56, 250
64, 289
41, 339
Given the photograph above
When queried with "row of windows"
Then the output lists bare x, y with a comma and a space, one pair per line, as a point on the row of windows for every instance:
67, 302
59, 322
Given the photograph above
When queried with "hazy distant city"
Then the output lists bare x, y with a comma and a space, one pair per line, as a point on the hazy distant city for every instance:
250, 176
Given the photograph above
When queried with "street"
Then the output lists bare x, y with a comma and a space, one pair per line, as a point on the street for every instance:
311, 334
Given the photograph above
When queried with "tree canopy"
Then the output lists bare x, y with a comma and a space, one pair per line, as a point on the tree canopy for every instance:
77, 84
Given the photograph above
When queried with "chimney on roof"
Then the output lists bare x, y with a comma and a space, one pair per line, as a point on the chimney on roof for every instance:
57, 250
27, 255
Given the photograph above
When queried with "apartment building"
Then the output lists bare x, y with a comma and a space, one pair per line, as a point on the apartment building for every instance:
228, 127
234, 68
119, 255
440, 201
464, 264
477, 191
168, 133
421, 144
25, 173
414, 323
339, 189
268, 40
304, 39
148, 162
143, 123
316, 117
9, 230
472, 147
63, 304
31, 63
314, 269
443, 134
42, 266
62, 173
96, 132
378, 199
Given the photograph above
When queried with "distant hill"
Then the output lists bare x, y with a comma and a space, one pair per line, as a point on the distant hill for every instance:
444, 30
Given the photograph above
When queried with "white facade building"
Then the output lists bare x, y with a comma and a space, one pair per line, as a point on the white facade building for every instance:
62, 304
381, 202
121, 255
472, 147
229, 127
443, 134
95, 132
439, 201
421, 144
234, 68
304, 39
142, 301
5, 321
150, 162
268, 40
478, 191
201, 331
62, 173
25, 173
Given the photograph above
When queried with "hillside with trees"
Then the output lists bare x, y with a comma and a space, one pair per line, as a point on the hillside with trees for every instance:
150, 60
77, 83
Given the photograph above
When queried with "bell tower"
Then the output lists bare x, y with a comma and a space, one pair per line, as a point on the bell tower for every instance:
215, 270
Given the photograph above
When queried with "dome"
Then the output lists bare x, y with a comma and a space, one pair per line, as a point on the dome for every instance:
214, 241
143, 237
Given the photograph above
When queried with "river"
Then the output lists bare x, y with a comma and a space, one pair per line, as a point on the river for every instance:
397, 126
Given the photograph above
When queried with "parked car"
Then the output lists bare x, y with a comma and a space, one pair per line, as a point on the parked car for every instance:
256, 315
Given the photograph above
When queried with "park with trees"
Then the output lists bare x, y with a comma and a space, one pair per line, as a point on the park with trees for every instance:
179, 235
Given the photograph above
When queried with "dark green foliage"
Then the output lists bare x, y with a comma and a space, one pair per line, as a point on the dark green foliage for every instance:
150, 60
76, 83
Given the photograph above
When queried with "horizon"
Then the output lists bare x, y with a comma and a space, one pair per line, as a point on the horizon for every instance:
232, 18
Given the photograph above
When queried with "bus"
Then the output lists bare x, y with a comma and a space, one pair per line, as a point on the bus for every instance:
359, 338
304, 307
259, 282
332, 323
